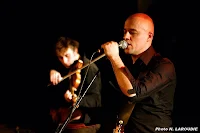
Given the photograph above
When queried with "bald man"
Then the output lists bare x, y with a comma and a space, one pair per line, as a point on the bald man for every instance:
146, 79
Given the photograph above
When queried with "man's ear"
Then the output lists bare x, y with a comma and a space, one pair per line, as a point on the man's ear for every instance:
150, 36
76, 53
76, 50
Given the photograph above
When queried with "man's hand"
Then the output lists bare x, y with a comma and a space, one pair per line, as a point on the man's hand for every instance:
111, 49
55, 77
70, 98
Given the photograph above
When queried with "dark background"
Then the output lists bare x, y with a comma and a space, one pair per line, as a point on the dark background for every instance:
29, 30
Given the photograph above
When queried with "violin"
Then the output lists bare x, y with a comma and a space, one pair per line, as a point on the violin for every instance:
75, 79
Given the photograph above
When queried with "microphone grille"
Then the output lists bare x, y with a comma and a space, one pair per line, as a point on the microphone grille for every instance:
123, 44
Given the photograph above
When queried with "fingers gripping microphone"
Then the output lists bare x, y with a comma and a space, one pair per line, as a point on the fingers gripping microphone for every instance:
122, 44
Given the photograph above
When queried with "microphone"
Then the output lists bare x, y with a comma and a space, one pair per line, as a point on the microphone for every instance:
122, 44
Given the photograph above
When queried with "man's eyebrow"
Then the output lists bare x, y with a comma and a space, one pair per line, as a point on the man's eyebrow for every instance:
130, 30
60, 56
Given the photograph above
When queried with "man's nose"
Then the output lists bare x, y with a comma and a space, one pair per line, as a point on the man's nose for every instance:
65, 60
126, 36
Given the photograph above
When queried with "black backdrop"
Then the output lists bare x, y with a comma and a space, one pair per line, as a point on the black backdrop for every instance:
29, 30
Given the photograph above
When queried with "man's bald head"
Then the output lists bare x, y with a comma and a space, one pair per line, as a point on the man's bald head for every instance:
144, 21
138, 32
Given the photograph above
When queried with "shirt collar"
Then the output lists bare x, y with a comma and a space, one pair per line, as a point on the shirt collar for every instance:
147, 55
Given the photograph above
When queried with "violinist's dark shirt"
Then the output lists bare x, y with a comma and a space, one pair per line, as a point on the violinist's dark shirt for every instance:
91, 101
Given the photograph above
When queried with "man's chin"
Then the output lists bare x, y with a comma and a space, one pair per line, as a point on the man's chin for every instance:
126, 51
67, 66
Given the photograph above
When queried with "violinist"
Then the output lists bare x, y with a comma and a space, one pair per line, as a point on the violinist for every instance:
65, 92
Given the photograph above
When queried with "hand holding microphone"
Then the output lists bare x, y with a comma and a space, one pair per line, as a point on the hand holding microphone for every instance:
122, 44
111, 49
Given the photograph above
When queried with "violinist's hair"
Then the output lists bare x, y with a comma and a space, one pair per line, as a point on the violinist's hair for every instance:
66, 42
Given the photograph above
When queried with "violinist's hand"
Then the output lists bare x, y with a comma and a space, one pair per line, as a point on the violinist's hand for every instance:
55, 77
68, 96
111, 49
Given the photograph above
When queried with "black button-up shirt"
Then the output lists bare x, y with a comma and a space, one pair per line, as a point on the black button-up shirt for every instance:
154, 81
